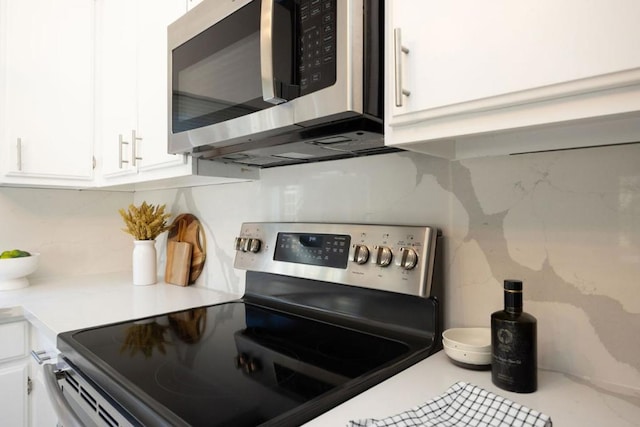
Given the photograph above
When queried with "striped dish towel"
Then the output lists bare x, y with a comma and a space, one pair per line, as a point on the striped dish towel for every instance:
463, 404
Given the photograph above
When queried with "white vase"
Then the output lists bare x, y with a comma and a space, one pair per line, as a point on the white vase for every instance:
145, 270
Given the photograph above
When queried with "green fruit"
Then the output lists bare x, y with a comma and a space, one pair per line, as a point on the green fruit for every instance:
15, 253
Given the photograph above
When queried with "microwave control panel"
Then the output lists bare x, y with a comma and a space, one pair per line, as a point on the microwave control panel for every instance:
317, 45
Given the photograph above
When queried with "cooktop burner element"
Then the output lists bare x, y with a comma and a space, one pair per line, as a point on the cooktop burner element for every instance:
316, 326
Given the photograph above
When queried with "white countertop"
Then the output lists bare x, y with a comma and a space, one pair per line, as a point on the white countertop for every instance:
65, 304
60, 305
568, 401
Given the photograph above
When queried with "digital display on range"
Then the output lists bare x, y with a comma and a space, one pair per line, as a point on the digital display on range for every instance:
327, 250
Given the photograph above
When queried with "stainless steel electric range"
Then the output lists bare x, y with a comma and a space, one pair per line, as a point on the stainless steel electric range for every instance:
329, 311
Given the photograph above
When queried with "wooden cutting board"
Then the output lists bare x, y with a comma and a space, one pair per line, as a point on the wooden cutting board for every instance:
178, 269
193, 233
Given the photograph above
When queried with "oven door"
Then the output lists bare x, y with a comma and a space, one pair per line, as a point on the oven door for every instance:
78, 403
230, 64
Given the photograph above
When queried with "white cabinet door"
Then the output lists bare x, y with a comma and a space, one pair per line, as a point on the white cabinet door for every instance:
47, 96
152, 77
132, 105
13, 394
475, 67
13, 373
116, 67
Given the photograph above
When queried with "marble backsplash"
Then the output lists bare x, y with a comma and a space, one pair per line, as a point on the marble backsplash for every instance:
567, 223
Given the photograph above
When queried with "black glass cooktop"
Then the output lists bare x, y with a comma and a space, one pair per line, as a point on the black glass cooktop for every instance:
234, 364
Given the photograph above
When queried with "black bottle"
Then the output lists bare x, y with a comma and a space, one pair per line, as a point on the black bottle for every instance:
514, 364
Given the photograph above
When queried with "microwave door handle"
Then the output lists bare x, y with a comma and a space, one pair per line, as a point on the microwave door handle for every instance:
266, 53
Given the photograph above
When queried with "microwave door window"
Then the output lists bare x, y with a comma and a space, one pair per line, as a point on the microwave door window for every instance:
216, 75
209, 91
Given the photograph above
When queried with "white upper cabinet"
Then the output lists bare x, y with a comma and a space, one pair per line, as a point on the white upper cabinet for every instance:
153, 82
116, 67
132, 88
132, 101
46, 92
501, 77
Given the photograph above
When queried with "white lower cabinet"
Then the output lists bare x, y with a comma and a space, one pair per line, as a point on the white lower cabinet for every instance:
14, 374
13, 394
24, 401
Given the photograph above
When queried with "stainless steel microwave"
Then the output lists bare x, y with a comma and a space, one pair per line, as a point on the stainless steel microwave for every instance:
275, 82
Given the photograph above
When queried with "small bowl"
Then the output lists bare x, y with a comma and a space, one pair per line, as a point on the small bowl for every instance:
13, 271
472, 339
467, 358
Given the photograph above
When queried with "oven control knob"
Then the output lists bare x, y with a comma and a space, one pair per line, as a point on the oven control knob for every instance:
408, 258
252, 366
239, 243
383, 256
247, 364
246, 244
241, 360
360, 254
253, 245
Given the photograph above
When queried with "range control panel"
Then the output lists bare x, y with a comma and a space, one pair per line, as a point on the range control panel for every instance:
386, 257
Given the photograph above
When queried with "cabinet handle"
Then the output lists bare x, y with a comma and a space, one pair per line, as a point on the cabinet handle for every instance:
121, 142
19, 154
40, 356
134, 147
398, 51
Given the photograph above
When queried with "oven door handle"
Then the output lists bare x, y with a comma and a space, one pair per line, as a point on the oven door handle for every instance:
266, 53
65, 413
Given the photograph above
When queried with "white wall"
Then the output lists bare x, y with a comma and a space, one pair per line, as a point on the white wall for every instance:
76, 232
567, 223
